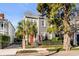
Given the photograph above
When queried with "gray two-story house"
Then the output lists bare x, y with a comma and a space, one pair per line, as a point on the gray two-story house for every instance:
41, 25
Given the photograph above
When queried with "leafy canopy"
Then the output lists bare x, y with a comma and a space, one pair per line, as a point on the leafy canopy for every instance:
26, 27
55, 13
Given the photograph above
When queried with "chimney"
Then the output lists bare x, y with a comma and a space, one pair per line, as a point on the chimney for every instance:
1, 16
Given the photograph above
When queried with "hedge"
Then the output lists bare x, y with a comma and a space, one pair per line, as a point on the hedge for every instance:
53, 41
56, 41
4, 41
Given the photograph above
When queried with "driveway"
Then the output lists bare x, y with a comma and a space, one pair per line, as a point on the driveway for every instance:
14, 46
10, 50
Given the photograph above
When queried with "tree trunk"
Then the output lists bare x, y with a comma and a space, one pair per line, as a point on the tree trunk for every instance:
27, 39
66, 43
67, 35
23, 42
67, 29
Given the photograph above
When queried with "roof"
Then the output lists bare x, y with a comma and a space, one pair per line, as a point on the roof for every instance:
7, 22
34, 16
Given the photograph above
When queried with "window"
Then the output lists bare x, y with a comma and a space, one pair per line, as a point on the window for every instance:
1, 25
32, 20
43, 23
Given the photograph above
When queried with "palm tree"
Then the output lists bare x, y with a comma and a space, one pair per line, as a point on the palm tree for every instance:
21, 31
25, 28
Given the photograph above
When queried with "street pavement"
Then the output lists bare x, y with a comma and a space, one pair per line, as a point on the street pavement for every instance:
11, 51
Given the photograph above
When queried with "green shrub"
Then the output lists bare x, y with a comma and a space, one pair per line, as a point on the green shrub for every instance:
53, 41
4, 40
56, 40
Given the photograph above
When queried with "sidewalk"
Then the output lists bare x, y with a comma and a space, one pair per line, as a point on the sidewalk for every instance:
8, 52
42, 52
12, 52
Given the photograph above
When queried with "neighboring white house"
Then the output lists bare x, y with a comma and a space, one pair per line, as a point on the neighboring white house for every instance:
6, 28
41, 24
11, 32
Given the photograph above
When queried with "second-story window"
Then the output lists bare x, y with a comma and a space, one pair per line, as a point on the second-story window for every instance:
1, 25
43, 23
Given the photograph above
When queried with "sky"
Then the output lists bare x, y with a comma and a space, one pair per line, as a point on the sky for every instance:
14, 12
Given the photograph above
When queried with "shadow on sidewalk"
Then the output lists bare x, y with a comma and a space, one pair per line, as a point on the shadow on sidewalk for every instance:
54, 52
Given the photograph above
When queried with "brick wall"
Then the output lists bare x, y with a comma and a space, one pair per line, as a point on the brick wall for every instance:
1, 16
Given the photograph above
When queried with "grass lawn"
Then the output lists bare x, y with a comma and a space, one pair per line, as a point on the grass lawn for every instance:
51, 46
75, 48
56, 49
45, 46
61, 49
